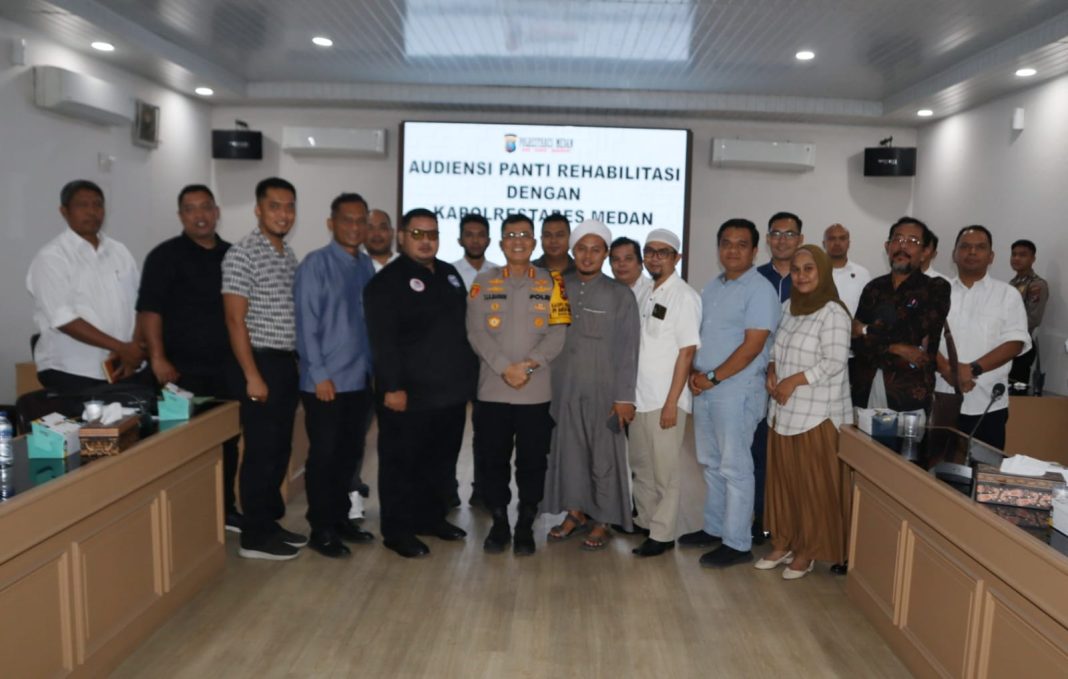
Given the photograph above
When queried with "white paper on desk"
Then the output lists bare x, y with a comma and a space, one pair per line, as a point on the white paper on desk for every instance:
1023, 465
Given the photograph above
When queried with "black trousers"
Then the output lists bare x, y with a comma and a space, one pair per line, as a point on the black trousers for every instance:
760, 466
502, 427
1021, 368
992, 429
214, 383
336, 433
414, 453
268, 430
478, 464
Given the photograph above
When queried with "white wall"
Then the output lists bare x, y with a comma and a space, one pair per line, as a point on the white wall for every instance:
836, 191
40, 151
974, 169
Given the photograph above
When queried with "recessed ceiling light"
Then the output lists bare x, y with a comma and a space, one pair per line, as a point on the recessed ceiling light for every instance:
925, 113
1026, 72
323, 41
102, 46
805, 55
204, 91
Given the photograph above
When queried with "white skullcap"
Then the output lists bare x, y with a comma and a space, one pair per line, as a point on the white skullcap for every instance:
587, 227
664, 236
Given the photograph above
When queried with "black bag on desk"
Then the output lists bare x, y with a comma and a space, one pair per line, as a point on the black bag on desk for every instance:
945, 408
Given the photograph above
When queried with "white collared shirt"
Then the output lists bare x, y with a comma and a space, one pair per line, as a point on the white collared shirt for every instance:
662, 338
931, 273
850, 281
69, 279
982, 317
642, 285
468, 272
375, 263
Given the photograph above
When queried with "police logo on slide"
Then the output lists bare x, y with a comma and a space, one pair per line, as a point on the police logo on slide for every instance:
510, 142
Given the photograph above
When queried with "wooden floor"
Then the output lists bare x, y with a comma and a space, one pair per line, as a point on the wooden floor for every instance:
561, 613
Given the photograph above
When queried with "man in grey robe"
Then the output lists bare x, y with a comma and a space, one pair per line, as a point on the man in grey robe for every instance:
593, 382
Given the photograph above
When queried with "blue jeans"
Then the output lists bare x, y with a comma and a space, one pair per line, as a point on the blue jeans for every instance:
724, 423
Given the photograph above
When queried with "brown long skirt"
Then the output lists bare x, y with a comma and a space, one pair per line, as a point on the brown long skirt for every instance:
803, 503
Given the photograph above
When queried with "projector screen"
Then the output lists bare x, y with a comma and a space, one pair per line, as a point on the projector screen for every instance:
632, 179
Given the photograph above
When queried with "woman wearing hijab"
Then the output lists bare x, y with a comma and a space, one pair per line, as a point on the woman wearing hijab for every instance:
809, 387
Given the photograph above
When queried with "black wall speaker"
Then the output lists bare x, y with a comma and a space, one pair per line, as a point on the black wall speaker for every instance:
237, 144
889, 161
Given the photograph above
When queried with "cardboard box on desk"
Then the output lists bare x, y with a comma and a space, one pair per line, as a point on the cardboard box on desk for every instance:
993, 486
53, 436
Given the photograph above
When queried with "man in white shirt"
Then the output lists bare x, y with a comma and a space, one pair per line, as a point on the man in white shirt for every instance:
989, 327
930, 252
849, 277
625, 258
671, 319
474, 239
84, 286
379, 241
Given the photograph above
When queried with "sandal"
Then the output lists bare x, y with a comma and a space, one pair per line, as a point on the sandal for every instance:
597, 539
572, 524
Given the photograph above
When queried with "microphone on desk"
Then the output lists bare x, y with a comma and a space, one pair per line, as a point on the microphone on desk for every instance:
961, 474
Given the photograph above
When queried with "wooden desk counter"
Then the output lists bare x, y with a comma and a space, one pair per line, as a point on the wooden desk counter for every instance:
954, 589
93, 561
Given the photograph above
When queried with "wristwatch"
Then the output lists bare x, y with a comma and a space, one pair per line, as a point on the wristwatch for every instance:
977, 369
711, 375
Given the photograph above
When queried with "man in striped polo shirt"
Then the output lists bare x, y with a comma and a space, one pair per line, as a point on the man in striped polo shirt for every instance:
257, 292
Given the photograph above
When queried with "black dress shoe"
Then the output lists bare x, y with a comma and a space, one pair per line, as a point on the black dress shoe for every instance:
698, 538
651, 547
724, 556
500, 534
523, 542
408, 546
445, 531
350, 531
328, 543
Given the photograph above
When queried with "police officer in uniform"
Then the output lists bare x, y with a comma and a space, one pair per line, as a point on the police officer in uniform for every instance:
516, 319
424, 373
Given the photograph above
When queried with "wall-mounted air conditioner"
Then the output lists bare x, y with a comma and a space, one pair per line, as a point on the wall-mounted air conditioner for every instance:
333, 141
764, 155
81, 96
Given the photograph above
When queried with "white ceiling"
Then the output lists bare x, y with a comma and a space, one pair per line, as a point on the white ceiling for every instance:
876, 60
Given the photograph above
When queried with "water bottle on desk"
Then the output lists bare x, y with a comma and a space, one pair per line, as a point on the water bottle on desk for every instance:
7, 452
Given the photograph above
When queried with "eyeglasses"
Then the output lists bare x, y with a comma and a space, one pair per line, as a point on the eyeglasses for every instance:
419, 234
662, 253
788, 235
517, 235
909, 242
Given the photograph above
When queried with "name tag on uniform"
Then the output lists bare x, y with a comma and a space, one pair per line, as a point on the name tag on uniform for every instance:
659, 311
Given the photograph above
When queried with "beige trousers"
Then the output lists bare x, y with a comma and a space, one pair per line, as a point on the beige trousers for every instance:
654, 460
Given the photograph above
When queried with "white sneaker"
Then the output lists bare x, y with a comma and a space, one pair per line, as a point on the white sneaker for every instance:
356, 511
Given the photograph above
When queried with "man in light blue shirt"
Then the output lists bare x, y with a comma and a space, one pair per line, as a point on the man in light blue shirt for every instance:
740, 312
335, 364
